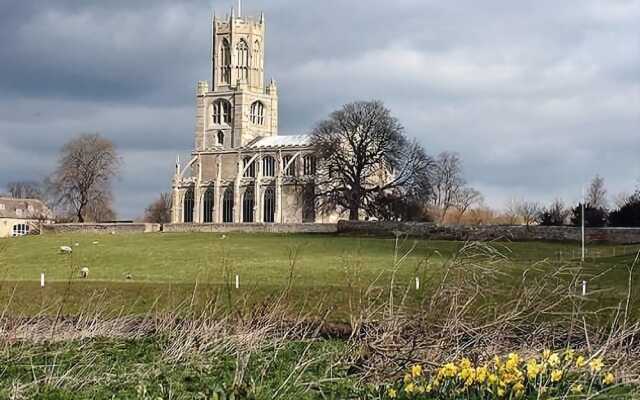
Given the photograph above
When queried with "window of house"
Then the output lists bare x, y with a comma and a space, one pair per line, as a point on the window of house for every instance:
20, 230
221, 138
189, 204
243, 60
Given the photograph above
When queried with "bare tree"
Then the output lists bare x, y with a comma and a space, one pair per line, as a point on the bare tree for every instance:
364, 154
159, 212
24, 190
620, 199
597, 194
447, 181
529, 211
82, 181
464, 198
511, 212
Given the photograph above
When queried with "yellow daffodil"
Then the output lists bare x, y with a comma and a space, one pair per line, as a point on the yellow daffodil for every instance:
576, 388
416, 370
608, 379
410, 388
497, 361
407, 378
492, 379
596, 365
554, 360
518, 389
580, 362
546, 354
392, 393
449, 370
556, 375
512, 361
481, 374
429, 388
501, 392
568, 355
533, 369
465, 363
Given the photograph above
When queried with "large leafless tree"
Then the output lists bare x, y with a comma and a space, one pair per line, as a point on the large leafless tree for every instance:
82, 180
447, 181
465, 198
364, 154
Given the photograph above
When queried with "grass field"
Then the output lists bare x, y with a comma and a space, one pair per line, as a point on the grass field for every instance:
315, 317
139, 270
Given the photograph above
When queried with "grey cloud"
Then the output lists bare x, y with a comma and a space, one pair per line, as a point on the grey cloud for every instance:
536, 96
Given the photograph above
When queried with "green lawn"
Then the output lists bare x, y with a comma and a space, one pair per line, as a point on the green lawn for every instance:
136, 270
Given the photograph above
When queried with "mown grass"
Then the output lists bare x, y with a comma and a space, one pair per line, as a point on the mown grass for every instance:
138, 272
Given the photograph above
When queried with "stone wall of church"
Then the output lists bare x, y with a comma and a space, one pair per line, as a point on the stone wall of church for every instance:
251, 228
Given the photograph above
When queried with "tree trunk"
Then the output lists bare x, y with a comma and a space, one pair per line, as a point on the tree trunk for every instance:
354, 214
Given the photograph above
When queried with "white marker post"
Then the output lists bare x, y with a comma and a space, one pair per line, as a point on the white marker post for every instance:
237, 281
417, 283
584, 288
42, 280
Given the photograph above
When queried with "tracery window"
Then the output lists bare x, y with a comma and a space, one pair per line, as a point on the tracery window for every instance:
243, 60
256, 55
227, 206
257, 113
308, 204
221, 112
291, 169
268, 166
248, 204
309, 164
188, 206
249, 172
225, 62
269, 205
208, 206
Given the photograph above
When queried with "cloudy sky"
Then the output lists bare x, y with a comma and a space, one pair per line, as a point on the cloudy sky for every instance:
536, 96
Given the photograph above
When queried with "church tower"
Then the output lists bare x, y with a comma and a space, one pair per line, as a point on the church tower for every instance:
236, 106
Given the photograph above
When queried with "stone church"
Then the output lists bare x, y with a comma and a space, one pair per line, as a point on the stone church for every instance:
241, 170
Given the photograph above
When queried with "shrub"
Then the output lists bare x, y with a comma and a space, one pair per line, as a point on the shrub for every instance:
628, 215
594, 217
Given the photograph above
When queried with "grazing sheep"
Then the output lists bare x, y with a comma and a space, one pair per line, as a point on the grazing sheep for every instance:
84, 272
129, 277
66, 250
77, 244
96, 242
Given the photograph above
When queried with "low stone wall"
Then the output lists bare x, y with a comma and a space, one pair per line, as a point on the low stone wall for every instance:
101, 228
252, 228
492, 232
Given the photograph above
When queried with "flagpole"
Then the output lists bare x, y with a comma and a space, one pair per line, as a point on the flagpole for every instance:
582, 213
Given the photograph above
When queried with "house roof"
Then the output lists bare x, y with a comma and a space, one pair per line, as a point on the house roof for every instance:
281, 141
22, 208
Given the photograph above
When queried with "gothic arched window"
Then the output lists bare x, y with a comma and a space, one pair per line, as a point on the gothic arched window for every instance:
256, 55
225, 62
309, 164
220, 138
243, 60
248, 204
291, 169
188, 206
208, 206
270, 205
308, 204
249, 172
268, 166
257, 113
221, 112
227, 206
